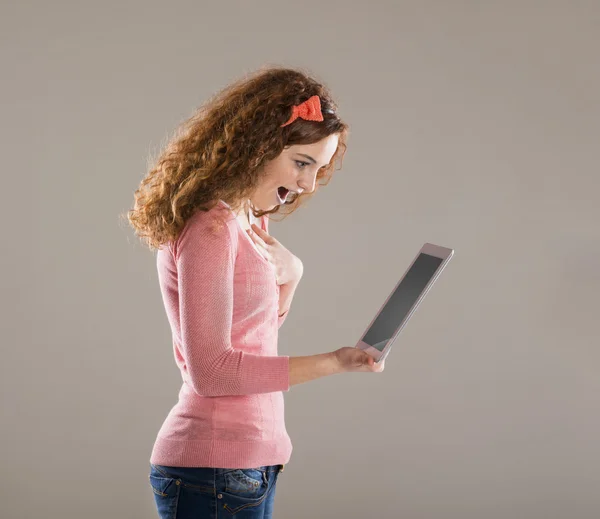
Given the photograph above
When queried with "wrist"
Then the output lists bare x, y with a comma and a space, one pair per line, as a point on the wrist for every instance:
334, 363
293, 282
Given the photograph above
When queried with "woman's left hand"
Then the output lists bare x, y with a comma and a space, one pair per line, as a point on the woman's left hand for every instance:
288, 268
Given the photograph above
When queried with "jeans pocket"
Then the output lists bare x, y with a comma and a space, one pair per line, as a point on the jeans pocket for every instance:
166, 493
251, 483
245, 489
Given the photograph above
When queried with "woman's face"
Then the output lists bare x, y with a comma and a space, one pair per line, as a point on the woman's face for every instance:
295, 169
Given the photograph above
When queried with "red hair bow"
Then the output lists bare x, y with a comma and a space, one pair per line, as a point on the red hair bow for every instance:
309, 110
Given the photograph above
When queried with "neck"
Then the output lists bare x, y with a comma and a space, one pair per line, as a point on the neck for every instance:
242, 213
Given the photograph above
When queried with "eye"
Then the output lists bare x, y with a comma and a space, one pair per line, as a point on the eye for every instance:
301, 163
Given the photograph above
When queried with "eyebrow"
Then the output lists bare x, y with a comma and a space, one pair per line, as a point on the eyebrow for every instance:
308, 157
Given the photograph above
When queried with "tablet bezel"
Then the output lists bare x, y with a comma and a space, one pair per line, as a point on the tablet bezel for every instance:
438, 251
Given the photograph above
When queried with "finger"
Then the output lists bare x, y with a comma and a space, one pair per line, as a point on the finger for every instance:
265, 255
263, 234
257, 239
261, 248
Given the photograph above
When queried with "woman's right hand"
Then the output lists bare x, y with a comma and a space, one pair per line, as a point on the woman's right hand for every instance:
354, 359
311, 367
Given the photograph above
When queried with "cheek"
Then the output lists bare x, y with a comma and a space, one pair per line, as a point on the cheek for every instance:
280, 174
283, 176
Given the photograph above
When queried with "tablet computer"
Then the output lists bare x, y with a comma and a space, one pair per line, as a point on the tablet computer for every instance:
404, 300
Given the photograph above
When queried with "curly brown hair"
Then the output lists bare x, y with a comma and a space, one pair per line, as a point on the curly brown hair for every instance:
220, 151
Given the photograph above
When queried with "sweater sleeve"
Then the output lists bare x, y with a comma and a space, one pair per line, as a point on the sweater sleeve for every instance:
205, 269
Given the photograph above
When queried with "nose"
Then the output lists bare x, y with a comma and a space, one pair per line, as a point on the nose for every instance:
307, 184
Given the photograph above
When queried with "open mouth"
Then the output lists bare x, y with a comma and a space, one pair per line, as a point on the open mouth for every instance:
282, 194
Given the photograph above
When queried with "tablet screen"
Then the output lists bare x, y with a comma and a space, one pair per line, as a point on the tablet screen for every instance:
402, 300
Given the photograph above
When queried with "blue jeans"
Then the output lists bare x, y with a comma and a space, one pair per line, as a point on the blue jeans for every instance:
210, 493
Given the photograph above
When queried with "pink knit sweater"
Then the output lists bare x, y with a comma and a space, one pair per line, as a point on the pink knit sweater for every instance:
221, 300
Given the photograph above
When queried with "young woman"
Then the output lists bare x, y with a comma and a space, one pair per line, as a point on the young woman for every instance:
257, 147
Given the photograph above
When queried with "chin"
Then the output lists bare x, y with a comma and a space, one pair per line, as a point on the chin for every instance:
267, 203
264, 207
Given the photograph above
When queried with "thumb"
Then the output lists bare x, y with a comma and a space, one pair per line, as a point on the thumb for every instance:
366, 360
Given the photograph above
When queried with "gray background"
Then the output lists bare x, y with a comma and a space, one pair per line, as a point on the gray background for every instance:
475, 125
